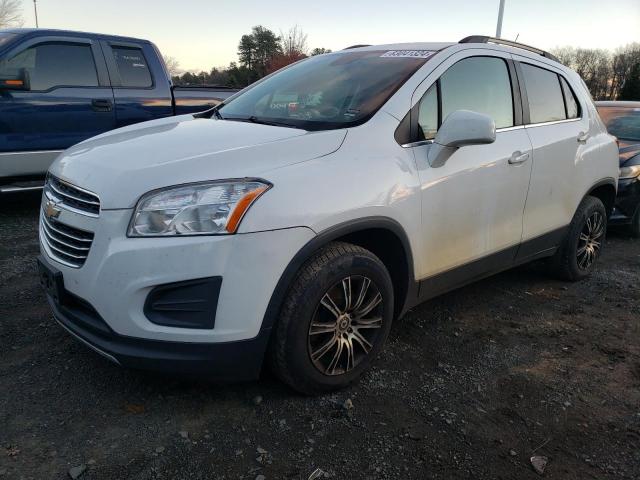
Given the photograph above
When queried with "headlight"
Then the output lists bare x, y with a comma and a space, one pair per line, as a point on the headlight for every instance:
196, 209
630, 172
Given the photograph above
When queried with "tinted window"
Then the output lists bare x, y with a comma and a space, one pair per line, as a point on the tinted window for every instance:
573, 110
479, 84
133, 68
325, 91
545, 97
624, 123
51, 65
6, 37
428, 114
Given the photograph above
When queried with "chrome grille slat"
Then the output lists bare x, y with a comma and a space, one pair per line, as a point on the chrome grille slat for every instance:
66, 194
64, 243
78, 239
72, 198
62, 251
53, 236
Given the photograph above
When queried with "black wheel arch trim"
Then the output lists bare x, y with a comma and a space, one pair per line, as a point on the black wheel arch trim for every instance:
323, 238
609, 181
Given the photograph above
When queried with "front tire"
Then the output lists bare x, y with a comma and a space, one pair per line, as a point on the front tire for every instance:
334, 320
582, 246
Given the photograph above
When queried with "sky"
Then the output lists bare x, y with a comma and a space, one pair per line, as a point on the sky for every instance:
202, 34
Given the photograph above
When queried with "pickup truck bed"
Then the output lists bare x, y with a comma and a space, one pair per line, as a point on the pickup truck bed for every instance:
58, 88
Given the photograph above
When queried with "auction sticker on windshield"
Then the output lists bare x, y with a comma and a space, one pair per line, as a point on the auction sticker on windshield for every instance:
408, 53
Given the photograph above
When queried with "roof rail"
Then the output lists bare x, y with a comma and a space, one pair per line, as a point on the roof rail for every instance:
501, 41
356, 46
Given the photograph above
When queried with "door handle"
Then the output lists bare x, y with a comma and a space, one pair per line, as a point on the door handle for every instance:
583, 137
101, 105
518, 157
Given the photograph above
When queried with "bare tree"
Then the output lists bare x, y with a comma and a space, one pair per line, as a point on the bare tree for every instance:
294, 42
624, 60
173, 66
10, 13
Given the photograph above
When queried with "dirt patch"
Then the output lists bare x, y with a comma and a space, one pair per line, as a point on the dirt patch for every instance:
471, 385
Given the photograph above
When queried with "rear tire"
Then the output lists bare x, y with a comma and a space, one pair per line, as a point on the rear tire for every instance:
334, 320
582, 245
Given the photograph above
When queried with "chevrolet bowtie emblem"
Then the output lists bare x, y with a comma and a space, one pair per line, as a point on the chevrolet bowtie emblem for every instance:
51, 209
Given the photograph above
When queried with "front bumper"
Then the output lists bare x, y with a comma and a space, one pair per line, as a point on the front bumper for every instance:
110, 291
229, 361
627, 201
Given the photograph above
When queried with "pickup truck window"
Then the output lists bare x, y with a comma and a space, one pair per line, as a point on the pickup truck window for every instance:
327, 91
50, 65
6, 37
133, 68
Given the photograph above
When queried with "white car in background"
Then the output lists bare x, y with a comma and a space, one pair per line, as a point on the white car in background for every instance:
306, 213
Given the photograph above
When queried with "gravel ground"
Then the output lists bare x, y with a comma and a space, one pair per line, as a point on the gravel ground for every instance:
471, 385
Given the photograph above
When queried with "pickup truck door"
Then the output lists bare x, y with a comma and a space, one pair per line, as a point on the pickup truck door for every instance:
472, 206
68, 99
141, 85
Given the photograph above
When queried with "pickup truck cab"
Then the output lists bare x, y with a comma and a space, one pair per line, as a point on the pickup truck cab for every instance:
303, 216
58, 88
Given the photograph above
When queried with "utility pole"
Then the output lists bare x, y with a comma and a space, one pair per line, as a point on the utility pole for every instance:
500, 14
35, 10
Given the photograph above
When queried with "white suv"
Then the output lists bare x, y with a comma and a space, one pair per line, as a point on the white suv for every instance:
300, 218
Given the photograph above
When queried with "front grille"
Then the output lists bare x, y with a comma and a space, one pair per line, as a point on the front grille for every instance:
71, 197
68, 245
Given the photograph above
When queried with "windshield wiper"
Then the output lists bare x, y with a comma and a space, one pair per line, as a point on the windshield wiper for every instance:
262, 121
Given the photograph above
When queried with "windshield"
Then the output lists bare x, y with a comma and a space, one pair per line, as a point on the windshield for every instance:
327, 91
6, 37
624, 123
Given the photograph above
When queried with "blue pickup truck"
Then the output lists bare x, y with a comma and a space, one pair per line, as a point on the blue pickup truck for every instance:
58, 88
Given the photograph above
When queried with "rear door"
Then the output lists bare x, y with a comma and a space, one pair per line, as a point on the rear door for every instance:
558, 127
68, 100
141, 87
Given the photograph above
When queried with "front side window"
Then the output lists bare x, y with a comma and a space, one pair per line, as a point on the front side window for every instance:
326, 91
50, 65
479, 84
546, 103
428, 114
132, 66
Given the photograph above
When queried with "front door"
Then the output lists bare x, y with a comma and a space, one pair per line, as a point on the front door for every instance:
472, 206
67, 99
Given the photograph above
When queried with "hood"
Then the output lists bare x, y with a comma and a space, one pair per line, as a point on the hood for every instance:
629, 153
124, 164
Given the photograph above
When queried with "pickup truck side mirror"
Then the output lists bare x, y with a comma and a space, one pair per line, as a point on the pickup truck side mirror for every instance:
461, 128
15, 82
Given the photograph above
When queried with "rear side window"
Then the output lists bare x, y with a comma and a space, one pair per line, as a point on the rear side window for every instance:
133, 67
546, 103
479, 84
50, 65
572, 106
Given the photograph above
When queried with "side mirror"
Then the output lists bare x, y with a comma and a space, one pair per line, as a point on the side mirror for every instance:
15, 82
461, 128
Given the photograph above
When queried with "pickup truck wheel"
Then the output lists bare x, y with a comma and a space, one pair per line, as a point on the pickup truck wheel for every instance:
582, 246
635, 224
334, 320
